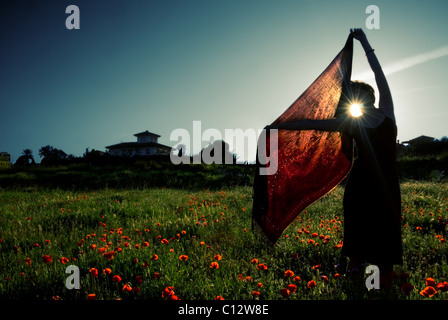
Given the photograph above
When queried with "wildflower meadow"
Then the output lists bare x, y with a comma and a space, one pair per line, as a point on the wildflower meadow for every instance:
199, 244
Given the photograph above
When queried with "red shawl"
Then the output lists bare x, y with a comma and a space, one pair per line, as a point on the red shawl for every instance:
310, 163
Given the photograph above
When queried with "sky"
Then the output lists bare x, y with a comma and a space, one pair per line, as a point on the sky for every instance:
160, 65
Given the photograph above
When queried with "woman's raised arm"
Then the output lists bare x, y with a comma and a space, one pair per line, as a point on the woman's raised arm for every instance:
385, 102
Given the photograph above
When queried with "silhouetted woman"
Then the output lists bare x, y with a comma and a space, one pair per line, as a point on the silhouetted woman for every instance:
372, 200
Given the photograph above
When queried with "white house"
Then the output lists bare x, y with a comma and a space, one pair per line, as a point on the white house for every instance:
146, 145
418, 140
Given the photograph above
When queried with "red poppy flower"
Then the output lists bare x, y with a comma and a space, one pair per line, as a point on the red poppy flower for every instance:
183, 257
285, 292
47, 259
94, 272
116, 278
430, 282
262, 266
91, 296
442, 286
127, 288
109, 255
168, 291
214, 265
311, 284
63, 260
289, 273
291, 287
407, 288
297, 279
255, 294
337, 246
107, 271
428, 292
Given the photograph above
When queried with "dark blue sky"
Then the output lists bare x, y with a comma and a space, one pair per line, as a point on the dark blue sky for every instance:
160, 65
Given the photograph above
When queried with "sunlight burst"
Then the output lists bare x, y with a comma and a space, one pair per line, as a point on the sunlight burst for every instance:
355, 110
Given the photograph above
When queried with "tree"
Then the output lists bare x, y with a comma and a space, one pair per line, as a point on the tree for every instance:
218, 152
46, 152
51, 154
28, 154
26, 158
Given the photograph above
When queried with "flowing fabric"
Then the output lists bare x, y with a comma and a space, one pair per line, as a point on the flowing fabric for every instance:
309, 163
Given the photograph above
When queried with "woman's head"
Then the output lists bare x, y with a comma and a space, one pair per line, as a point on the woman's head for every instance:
359, 93
362, 93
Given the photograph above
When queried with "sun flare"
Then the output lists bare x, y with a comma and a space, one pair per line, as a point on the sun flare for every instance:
355, 110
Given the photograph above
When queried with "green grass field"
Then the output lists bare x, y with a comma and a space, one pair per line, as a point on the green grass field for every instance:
177, 244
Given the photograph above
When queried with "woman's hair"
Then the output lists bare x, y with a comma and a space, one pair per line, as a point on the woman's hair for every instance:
359, 92
363, 92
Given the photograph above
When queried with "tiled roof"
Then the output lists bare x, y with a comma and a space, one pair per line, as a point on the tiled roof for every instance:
136, 145
146, 133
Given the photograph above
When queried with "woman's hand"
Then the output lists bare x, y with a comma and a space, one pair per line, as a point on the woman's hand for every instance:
358, 34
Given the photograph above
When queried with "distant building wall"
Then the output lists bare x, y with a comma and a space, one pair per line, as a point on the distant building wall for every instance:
5, 160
